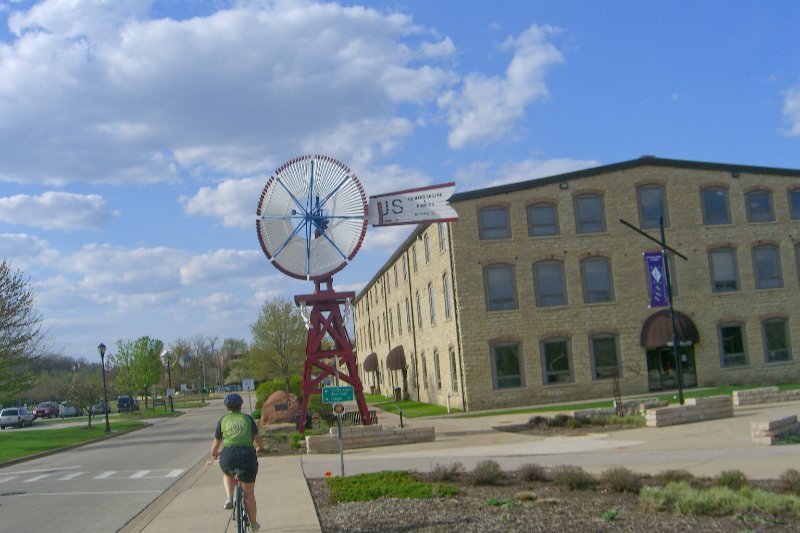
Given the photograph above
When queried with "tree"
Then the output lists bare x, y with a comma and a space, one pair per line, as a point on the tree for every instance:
230, 354
21, 333
279, 341
146, 354
86, 392
124, 360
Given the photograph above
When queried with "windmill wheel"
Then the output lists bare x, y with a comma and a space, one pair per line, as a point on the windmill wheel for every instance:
312, 217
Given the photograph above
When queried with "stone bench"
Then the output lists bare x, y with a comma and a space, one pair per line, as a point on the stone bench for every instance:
764, 395
768, 432
367, 437
694, 410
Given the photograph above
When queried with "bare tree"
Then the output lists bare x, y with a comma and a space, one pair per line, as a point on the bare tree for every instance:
21, 333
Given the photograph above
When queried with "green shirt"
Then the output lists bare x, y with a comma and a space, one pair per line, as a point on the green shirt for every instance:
236, 429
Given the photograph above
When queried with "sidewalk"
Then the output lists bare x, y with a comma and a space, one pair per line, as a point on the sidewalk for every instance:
194, 503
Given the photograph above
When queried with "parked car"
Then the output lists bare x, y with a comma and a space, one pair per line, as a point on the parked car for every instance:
101, 408
15, 416
127, 404
65, 410
46, 410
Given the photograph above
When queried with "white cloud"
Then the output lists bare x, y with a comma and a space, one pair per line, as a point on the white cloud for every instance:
386, 239
56, 210
486, 108
234, 201
95, 92
224, 265
25, 250
791, 111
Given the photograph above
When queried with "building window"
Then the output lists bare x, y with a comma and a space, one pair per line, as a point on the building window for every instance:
437, 371
424, 371
794, 204
731, 345
394, 268
405, 268
715, 206
501, 292
556, 361
597, 284
427, 245
447, 294
652, 206
507, 366
391, 323
414, 372
442, 240
724, 274
493, 223
542, 220
759, 206
548, 281
419, 312
776, 340
589, 215
414, 257
399, 321
767, 267
453, 371
432, 303
409, 322
605, 357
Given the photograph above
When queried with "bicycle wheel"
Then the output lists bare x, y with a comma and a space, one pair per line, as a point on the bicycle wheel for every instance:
239, 510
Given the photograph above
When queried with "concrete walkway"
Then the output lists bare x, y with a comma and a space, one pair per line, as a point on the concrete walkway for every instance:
195, 502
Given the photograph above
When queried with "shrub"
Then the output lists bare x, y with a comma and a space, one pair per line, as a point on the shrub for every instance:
560, 420
674, 476
539, 420
732, 479
715, 501
532, 472
442, 490
486, 473
447, 472
790, 481
611, 514
621, 479
257, 414
572, 477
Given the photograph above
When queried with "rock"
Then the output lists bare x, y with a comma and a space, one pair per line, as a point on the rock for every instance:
280, 407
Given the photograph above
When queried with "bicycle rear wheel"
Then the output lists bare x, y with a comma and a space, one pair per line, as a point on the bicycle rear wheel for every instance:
239, 510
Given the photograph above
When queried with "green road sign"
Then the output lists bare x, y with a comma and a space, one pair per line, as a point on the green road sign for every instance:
337, 394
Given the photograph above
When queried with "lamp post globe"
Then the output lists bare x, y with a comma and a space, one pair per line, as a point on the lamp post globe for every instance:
101, 348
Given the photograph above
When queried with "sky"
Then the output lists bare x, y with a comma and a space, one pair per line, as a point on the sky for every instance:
136, 136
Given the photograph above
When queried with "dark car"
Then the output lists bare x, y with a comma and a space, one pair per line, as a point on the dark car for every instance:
127, 404
46, 410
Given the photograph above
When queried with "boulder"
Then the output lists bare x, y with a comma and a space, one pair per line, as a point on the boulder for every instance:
281, 407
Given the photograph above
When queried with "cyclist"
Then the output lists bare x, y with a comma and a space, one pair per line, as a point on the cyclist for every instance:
236, 432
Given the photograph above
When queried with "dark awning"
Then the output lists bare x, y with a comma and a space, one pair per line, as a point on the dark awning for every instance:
396, 360
371, 363
657, 330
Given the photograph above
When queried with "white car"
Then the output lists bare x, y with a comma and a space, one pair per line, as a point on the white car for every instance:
15, 416
65, 410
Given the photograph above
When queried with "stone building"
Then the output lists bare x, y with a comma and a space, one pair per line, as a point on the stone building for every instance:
539, 293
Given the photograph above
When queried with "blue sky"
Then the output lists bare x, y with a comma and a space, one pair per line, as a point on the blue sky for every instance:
136, 136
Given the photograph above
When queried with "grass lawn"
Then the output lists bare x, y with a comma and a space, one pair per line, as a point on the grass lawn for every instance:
413, 409
15, 444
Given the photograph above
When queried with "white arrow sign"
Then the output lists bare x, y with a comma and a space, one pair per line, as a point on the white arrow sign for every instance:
413, 206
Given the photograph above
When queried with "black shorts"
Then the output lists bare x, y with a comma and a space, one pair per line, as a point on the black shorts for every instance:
241, 458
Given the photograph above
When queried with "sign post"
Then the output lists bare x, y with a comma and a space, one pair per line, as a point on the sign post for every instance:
338, 410
249, 385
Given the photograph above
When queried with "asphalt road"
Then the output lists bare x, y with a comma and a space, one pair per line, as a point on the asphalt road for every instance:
100, 487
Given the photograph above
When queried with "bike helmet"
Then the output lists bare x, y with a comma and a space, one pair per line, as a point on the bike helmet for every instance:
233, 401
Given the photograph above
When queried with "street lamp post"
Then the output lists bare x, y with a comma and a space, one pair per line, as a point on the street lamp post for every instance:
102, 349
167, 360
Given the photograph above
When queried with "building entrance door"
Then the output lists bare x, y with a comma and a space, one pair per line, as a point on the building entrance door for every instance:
661, 368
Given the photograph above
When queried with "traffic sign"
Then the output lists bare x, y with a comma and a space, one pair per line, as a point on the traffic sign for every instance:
337, 394
338, 409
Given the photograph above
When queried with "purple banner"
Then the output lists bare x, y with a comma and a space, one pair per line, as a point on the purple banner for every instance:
654, 262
